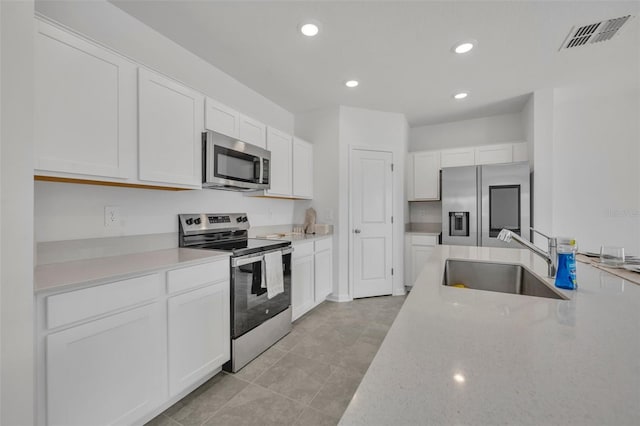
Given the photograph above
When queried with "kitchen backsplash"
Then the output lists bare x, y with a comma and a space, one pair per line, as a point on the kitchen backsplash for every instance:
71, 212
425, 212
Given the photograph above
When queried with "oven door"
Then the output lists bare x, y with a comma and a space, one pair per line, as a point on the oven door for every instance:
250, 306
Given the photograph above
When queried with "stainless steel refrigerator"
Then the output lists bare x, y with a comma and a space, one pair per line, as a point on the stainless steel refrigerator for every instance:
479, 201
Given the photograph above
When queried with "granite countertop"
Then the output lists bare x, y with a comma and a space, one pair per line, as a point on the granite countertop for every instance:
79, 273
462, 356
433, 229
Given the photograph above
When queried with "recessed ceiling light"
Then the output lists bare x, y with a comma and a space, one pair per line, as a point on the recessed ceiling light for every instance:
460, 95
309, 29
352, 83
459, 378
465, 46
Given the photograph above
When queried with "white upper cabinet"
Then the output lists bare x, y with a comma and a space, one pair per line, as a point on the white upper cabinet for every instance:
424, 176
280, 145
222, 119
302, 169
252, 131
520, 152
170, 126
85, 107
458, 157
494, 154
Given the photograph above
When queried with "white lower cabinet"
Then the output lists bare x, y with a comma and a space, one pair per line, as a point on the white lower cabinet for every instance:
311, 275
121, 352
418, 249
199, 340
323, 274
302, 279
108, 371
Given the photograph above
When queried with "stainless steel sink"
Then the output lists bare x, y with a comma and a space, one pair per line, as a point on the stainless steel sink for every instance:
502, 277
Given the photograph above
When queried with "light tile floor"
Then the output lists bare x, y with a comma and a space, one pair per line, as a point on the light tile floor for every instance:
307, 378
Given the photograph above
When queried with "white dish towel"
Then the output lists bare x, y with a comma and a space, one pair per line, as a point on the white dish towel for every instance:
272, 273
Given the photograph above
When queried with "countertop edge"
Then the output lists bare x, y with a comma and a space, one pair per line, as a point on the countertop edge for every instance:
209, 256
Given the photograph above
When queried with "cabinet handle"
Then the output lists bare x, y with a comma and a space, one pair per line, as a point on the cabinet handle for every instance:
356, 231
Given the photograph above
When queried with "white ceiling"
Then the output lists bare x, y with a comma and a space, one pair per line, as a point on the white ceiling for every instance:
400, 51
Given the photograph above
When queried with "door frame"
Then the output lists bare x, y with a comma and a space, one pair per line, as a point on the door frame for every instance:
353, 148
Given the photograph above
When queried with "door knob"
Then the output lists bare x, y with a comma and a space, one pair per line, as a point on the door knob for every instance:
356, 231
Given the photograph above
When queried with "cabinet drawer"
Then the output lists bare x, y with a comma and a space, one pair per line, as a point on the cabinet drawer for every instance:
74, 306
323, 244
302, 249
424, 240
194, 276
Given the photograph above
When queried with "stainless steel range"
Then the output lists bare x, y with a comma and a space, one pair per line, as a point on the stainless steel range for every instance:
257, 322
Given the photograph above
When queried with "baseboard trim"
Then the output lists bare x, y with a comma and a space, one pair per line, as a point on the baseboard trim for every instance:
339, 298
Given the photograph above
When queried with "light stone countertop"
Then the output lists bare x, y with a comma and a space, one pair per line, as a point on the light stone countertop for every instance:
298, 238
470, 357
86, 272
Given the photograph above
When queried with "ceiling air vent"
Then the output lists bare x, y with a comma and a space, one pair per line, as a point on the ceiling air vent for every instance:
593, 33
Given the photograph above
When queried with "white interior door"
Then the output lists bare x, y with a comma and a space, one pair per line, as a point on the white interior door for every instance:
371, 223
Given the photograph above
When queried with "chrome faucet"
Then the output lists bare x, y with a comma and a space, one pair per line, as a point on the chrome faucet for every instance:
551, 256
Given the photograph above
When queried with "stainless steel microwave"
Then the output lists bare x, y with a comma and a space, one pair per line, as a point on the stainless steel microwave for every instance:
233, 165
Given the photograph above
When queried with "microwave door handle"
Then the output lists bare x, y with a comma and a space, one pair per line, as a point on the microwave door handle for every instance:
257, 169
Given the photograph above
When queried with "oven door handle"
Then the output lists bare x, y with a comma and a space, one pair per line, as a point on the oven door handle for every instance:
240, 261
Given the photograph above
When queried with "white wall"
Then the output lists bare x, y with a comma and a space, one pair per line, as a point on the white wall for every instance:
335, 131
527, 126
16, 214
596, 177
321, 126
543, 171
68, 211
480, 131
386, 131
65, 211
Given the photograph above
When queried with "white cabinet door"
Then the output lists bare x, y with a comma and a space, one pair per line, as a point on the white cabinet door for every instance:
198, 334
426, 175
85, 107
221, 119
458, 157
302, 279
279, 143
302, 169
109, 371
419, 256
494, 154
520, 152
170, 126
323, 275
252, 131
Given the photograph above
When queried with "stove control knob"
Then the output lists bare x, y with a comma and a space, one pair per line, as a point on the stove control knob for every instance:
197, 221
189, 221
239, 219
244, 219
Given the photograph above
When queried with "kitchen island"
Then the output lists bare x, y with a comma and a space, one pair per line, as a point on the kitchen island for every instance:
463, 356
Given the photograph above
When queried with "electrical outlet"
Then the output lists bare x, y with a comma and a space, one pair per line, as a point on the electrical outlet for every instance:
111, 217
